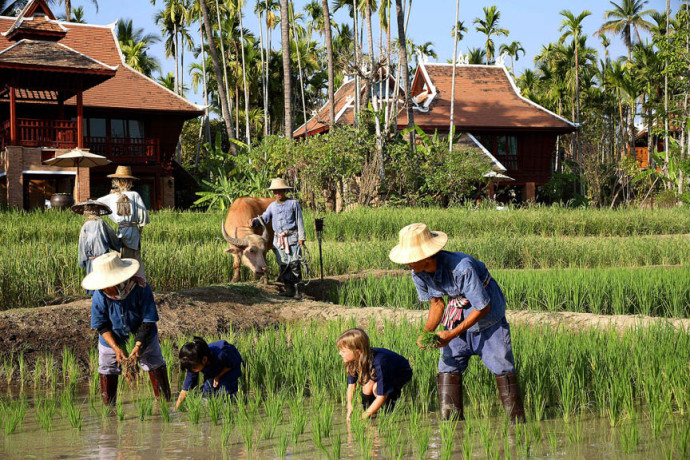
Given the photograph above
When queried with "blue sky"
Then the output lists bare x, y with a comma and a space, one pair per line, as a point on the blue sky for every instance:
532, 22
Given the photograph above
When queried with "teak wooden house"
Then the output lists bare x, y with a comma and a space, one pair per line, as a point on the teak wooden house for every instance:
65, 85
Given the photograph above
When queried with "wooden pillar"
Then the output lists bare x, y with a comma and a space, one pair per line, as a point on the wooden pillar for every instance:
530, 192
13, 116
80, 119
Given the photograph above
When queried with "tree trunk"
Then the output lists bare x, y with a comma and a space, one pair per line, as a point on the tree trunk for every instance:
301, 78
226, 81
355, 36
263, 76
451, 127
331, 70
244, 81
370, 40
403, 64
222, 95
177, 61
68, 10
287, 81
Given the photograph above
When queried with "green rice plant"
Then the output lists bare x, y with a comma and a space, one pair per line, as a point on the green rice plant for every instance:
226, 431
298, 418
38, 369
8, 367
214, 404
282, 444
70, 367
144, 405
553, 440
45, 412
447, 430
335, 446
120, 407
51, 370
318, 440
629, 435
683, 436
422, 436
573, 431
164, 409
22, 366
248, 433
106, 411
467, 446
72, 411
429, 339
14, 412
193, 404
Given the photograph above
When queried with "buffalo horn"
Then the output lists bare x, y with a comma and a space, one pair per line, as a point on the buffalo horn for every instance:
240, 243
264, 235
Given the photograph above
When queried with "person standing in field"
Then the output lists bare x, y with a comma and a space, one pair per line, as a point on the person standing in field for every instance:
285, 214
380, 372
96, 237
123, 304
128, 212
220, 362
474, 321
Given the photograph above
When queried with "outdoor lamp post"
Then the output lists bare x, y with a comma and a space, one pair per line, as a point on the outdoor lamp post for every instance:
318, 226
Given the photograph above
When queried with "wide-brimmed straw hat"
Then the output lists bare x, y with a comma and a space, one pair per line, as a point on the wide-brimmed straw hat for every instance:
417, 242
109, 270
101, 208
123, 172
279, 184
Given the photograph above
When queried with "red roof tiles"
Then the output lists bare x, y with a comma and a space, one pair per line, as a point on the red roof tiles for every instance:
39, 53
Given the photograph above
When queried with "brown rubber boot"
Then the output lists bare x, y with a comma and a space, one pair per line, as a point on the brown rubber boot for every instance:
509, 392
108, 389
159, 382
450, 396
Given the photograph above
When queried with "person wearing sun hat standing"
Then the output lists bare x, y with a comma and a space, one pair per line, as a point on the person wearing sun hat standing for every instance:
96, 237
288, 235
474, 321
128, 212
123, 304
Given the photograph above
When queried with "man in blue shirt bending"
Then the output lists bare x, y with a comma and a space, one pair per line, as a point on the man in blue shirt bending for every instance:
474, 321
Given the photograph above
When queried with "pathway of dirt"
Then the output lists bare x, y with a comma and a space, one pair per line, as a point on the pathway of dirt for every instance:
215, 310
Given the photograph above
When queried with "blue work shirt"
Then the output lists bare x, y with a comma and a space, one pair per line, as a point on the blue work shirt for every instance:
392, 372
223, 354
458, 274
95, 239
285, 216
124, 316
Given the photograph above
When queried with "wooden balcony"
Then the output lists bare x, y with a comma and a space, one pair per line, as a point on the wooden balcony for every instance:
62, 134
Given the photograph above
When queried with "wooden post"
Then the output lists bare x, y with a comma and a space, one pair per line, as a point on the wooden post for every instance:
80, 119
13, 116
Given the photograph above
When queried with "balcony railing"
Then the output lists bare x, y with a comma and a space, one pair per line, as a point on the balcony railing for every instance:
125, 149
62, 134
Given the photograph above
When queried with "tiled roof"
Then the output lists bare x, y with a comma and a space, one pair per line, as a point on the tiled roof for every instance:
39, 53
485, 98
39, 25
319, 122
128, 89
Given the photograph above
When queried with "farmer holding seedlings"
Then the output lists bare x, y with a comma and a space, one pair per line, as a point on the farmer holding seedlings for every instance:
288, 235
96, 237
123, 304
380, 372
474, 321
128, 212
220, 363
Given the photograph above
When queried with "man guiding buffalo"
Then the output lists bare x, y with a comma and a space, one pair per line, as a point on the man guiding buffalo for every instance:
285, 214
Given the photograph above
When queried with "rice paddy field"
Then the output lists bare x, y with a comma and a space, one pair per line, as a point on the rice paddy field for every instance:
587, 393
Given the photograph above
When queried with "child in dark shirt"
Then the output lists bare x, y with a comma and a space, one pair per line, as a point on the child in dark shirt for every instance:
380, 372
220, 362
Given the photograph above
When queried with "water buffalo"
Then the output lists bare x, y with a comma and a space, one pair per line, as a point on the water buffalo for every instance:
247, 244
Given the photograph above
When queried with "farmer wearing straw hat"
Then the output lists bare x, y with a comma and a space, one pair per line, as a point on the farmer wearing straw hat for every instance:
128, 212
123, 304
95, 237
474, 321
288, 235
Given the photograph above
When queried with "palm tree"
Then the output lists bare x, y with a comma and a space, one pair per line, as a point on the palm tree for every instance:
425, 49
572, 25
287, 81
402, 49
627, 17
476, 56
222, 94
489, 26
513, 50
135, 46
172, 20
331, 70
459, 29
68, 6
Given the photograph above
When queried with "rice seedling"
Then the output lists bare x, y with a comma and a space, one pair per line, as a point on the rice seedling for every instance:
164, 409
282, 444
193, 404
629, 435
553, 440
38, 369
573, 431
22, 366
335, 446
214, 404
226, 431
144, 405
429, 339
318, 440
72, 411
8, 367
298, 418
120, 407
467, 446
683, 436
70, 367
247, 431
14, 412
45, 412
447, 430
422, 436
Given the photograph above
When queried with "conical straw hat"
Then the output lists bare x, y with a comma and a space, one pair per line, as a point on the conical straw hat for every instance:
123, 172
416, 242
103, 209
109, 270
279, 184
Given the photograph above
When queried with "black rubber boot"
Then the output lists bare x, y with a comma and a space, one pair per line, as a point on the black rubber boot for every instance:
367, 400
509, 392
450, 396
108, 389
160, 383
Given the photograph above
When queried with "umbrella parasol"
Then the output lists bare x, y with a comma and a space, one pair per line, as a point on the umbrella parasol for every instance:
78, 158
497, 175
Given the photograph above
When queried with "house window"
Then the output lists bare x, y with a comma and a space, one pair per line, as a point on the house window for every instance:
97, 127
503, 147
118, 127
